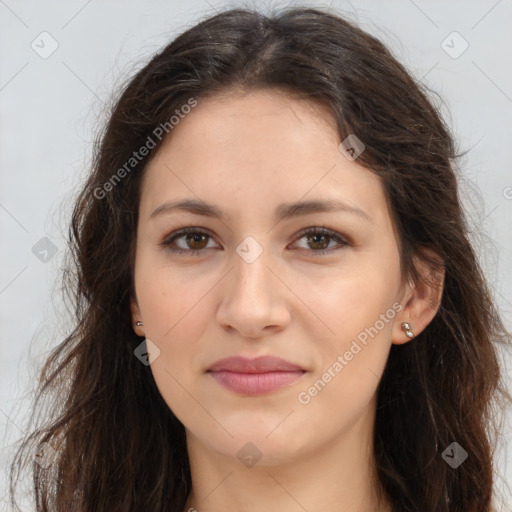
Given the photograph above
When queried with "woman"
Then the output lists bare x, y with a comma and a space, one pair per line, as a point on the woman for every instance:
278, 307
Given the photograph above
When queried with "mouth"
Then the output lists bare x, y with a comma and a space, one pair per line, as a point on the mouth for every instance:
252, 377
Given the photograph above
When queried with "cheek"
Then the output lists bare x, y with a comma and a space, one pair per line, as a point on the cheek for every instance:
173, 301
347, 302
358, 306
352, 360
175, 309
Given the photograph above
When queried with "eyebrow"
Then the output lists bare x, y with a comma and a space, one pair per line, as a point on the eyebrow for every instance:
283, 211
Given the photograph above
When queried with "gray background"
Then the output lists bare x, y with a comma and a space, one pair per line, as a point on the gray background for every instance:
50, 108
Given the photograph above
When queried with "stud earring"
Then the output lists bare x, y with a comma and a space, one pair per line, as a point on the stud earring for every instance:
138, 323
407, 329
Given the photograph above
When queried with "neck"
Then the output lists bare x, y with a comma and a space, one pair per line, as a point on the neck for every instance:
339, 475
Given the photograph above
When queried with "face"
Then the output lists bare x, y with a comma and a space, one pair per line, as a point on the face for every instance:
321, 289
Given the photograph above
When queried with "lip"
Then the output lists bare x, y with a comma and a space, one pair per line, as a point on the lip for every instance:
255, 376
260, 364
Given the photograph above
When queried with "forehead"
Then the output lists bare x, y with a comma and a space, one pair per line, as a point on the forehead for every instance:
255, 150
234, 116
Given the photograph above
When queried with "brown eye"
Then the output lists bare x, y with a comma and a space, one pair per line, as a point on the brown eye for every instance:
318, 240
192, 241
196, 240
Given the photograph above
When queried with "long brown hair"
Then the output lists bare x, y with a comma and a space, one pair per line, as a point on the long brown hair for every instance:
117, 444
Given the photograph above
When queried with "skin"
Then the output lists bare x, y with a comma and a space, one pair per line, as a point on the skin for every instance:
247, 153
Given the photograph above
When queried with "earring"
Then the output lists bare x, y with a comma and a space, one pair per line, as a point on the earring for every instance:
407, 329
138, 323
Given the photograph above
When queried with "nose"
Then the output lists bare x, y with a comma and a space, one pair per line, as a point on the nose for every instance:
254, 300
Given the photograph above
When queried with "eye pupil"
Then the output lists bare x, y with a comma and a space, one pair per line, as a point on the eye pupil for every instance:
196, 238
315, 241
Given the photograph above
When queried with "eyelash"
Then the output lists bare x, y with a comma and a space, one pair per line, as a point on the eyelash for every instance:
318, 230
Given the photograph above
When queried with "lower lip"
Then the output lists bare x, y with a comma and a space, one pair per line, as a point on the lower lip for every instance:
253, 384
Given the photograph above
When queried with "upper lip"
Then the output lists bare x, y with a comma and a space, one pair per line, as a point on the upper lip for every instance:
260, 364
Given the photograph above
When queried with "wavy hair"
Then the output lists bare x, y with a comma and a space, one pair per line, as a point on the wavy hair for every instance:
117, 444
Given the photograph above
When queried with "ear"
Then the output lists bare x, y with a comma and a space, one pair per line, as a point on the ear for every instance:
136, 316
421, 298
